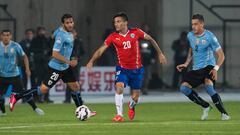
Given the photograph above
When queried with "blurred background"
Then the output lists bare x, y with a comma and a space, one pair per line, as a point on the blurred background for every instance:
168, 21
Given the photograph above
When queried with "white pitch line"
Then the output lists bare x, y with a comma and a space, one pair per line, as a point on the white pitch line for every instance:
124, 123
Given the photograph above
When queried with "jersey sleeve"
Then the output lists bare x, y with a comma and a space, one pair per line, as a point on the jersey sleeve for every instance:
109, 40
20, 51
58, 43
140, 33
214, 43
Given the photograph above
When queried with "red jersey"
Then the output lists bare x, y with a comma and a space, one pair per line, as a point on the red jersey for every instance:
127, 47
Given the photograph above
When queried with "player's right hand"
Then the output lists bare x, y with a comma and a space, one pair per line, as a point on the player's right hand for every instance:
181, 67
73, 63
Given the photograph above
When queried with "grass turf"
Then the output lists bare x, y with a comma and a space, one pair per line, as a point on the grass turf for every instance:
151, 119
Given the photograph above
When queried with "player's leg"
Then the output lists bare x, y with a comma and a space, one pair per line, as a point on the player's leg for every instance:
185, 88
75, 93
18, 88
216, 98
120, 83
69, 78
135, 82
3, 89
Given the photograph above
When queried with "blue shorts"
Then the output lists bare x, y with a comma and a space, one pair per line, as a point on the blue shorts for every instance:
131, 77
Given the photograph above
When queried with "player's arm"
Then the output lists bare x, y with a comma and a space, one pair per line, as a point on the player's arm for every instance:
161, 56
26, 64
58, 56
97, 54
220, 59
187, 62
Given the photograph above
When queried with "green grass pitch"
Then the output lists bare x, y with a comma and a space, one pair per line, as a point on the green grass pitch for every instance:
151, 119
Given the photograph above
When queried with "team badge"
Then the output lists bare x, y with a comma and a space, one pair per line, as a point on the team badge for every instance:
59, 41
204, 41
132, 35
12, 50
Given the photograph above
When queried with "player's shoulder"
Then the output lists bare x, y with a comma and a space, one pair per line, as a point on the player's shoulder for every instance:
135, 29
15, 44
190, 34
209, 33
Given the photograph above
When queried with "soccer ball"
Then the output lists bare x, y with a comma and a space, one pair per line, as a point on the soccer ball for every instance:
82, 112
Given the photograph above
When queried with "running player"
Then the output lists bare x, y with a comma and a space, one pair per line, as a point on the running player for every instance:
129, 70
60, 66
10, 51
204, 45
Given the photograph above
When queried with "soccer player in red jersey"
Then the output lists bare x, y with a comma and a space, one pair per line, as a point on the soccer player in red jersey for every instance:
130, 69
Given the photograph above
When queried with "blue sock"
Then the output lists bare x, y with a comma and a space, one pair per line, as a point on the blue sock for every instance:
210, 90
185, 90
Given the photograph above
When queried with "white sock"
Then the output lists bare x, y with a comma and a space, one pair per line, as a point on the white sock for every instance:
133, 103
119, 103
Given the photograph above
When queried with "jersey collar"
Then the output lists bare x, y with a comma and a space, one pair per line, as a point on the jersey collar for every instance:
201, 34
124, 35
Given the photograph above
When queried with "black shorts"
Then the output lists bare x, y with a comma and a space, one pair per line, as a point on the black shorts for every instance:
53, 76
16, 83
197, 77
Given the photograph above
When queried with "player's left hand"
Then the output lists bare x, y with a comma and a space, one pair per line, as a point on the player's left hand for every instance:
213, 72
162, 59
28, 72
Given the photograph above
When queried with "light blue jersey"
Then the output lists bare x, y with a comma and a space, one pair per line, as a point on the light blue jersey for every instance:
203, 48
8, 59
64, 45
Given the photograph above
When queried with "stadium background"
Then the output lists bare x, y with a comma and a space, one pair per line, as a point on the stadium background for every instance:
166, 19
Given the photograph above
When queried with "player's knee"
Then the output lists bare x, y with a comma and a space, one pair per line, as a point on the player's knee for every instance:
208, 81
43, 89
119, 88
74, 86
210, 89
185, 90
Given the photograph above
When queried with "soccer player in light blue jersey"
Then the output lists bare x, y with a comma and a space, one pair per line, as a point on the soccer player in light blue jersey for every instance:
10, 51
204, 48
60, 66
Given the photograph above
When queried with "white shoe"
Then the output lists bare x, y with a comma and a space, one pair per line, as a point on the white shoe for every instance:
205, 112
225, 117
39, 111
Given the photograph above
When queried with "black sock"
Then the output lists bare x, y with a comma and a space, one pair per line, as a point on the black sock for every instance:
77, 98
2, 104
197, 99
218, 103
26, 93
30, 101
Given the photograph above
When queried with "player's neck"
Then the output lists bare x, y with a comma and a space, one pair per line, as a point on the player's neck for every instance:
123, 32
200, 33
6, 44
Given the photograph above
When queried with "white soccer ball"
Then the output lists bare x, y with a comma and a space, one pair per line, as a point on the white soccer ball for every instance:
82, 112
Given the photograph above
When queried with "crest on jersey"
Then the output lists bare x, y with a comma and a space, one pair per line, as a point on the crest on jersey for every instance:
204, 41
12, 50
58, 41
132, 35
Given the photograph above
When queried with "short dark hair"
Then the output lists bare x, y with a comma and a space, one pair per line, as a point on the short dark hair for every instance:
6, 30
121, 14
199, 17
66, 16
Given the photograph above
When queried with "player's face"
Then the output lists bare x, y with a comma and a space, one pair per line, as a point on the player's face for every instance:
119, 23
68, 24
6, 37
197, 26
